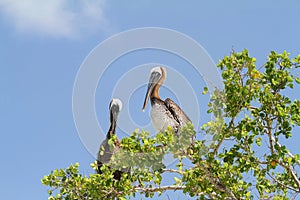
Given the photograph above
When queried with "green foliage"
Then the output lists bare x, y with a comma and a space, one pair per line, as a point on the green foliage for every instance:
253, 118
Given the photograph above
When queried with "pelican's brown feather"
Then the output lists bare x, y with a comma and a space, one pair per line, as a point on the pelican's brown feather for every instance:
177, 112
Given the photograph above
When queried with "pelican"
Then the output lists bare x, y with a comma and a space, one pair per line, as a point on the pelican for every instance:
104, 158
164, 113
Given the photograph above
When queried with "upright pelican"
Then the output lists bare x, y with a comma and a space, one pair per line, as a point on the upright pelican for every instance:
114, 109
164, 113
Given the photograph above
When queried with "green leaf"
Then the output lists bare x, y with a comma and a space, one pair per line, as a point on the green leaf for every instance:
177, 180
205, 90
258, 141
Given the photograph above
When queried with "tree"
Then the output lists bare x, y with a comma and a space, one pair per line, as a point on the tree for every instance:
253, 120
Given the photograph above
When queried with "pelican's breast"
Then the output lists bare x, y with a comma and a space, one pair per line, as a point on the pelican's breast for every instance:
161, 117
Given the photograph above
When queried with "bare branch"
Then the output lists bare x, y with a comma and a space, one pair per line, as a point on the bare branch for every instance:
269, 132
172, 171
161, 188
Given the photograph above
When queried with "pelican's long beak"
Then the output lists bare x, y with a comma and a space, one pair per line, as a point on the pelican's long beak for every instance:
114, 112
154, 78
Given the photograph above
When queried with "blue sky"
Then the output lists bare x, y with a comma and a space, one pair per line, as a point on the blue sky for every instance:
43, 45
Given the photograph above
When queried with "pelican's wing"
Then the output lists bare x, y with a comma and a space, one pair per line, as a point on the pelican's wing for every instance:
176, 111
105, 158
106, 150
161, 116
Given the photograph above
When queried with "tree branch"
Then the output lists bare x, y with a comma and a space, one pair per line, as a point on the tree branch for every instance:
289, 153
269, 132
287, 167
223, 137
161, 188
219, 185
171, 171
292, 172
295, 177
282, 184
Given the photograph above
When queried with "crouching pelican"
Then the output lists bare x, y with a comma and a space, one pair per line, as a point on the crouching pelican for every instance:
164, 113
106, 150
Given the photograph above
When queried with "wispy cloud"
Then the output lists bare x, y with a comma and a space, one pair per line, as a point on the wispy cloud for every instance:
55, 18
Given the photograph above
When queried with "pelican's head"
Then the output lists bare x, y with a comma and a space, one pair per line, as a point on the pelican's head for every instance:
157, 78
115, 107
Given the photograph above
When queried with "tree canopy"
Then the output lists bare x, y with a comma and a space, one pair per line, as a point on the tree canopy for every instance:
249, 158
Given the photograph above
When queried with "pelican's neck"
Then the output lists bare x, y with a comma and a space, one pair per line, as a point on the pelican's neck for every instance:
112, 129
155, 91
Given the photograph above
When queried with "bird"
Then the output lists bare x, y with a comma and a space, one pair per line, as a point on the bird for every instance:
163, 113
106, 150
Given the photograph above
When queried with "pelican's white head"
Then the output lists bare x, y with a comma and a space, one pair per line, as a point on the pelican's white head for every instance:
116, 102
157, 77
156, 69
